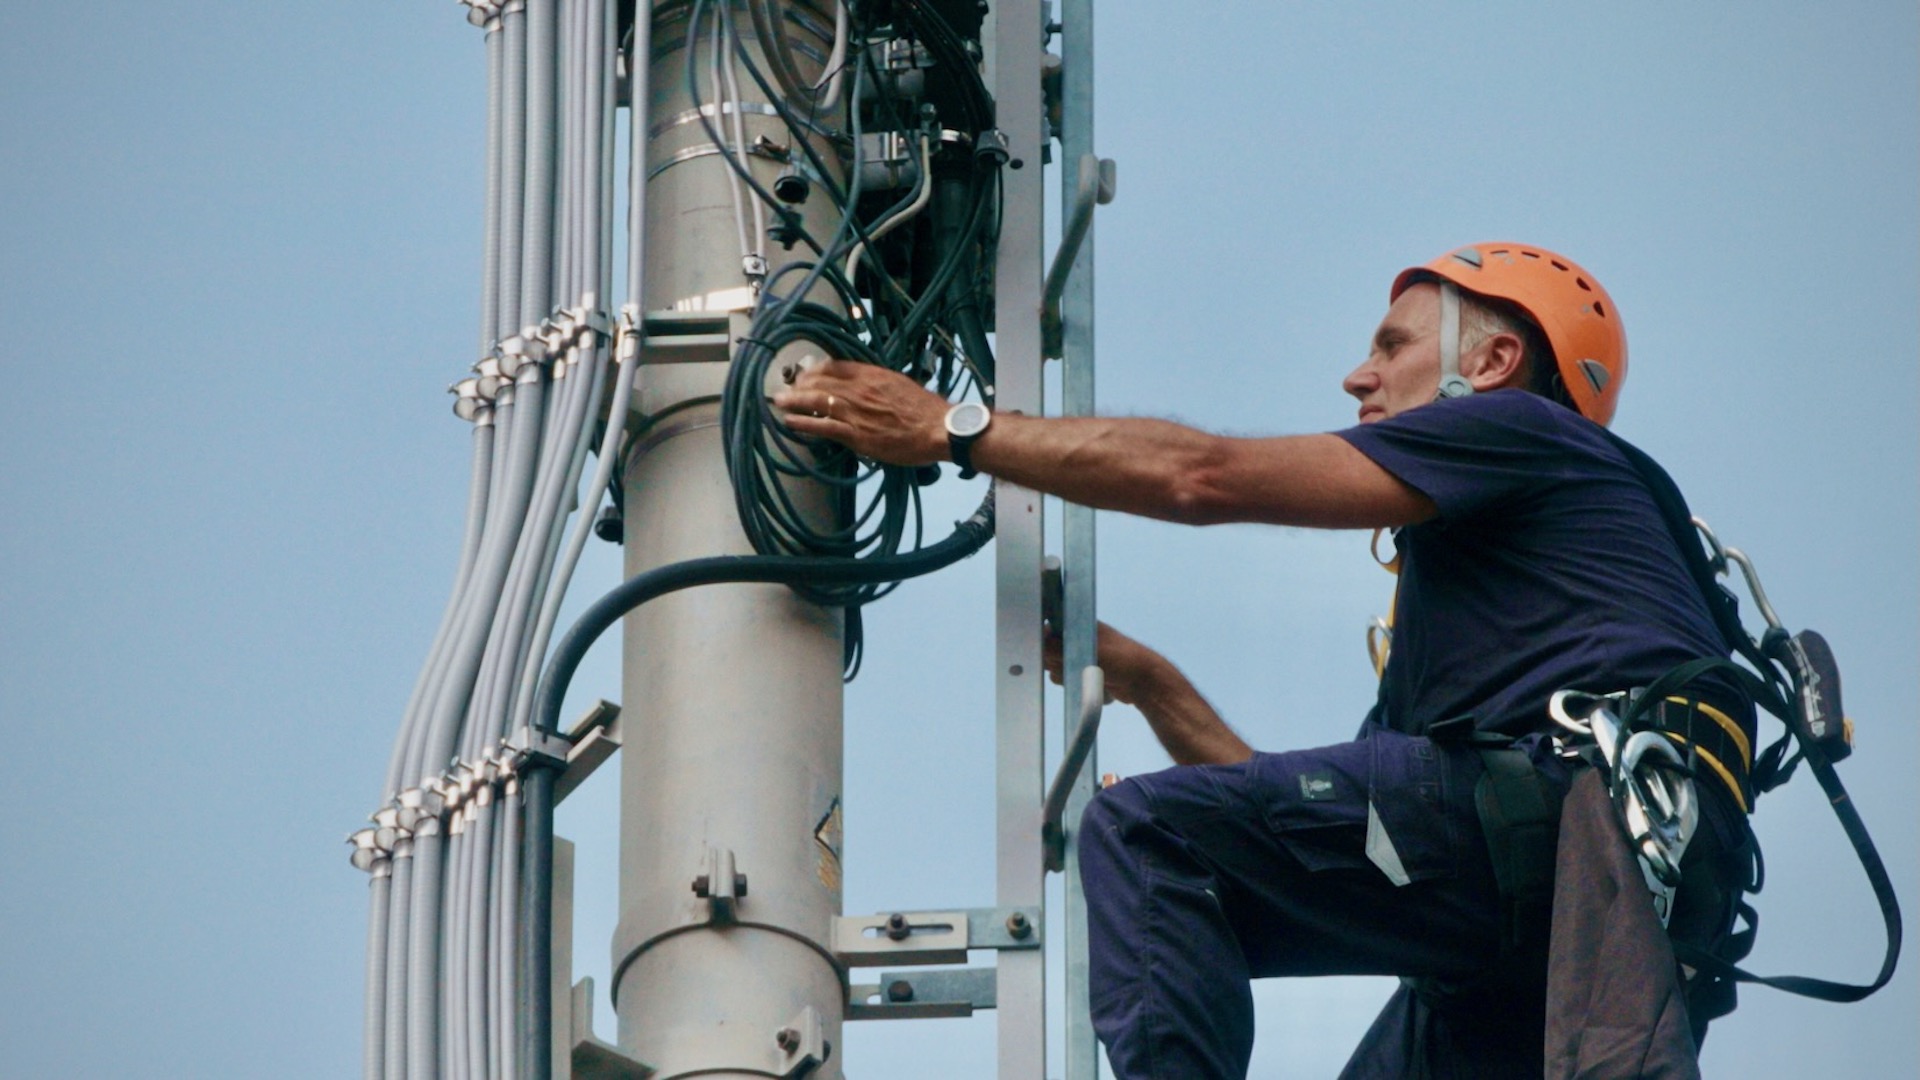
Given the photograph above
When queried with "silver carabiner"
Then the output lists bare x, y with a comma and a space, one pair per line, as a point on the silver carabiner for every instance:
1661, 813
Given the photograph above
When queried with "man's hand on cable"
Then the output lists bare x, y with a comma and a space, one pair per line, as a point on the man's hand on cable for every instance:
875, 412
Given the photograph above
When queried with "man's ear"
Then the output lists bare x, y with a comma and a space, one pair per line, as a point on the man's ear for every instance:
1499, 362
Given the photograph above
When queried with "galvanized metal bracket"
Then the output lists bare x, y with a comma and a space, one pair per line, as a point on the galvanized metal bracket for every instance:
802, 1044
932, 937
923, 995
722, 885
592, 1058
595, 736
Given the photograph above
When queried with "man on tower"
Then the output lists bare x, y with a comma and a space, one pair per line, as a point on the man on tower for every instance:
1533, 557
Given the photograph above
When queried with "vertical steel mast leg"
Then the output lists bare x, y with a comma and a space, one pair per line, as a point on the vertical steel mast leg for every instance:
1015, 79
1077, 524
732, 768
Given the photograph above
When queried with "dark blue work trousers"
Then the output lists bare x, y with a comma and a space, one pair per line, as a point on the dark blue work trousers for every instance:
1365, 858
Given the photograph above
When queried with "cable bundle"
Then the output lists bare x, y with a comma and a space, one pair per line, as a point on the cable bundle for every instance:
928, 326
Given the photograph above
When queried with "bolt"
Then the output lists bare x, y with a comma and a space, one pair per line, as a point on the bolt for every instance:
897, 927
1018, 926
787, 1039
703, 886
739, 884
899, 990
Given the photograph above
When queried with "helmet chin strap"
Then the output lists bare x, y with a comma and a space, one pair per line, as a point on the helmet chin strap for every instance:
1452, 384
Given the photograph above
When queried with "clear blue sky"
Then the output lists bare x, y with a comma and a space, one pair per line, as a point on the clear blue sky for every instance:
239, 260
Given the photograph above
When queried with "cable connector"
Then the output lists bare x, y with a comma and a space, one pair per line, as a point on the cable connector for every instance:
993, 146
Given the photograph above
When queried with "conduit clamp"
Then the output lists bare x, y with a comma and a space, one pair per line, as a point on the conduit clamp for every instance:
488, 380
453, 799
627, 340
521, 349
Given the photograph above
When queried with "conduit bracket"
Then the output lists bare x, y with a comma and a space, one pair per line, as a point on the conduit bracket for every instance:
592, 1057
533, 748
594, 738
924, 995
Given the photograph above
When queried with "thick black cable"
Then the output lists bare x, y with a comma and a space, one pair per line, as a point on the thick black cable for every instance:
536, 985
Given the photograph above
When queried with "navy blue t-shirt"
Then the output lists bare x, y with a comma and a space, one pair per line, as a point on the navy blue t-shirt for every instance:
1548, 567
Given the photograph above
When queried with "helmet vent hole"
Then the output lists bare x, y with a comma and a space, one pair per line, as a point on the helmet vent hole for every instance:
1582, 282
1531, 254
1598, 310
1557, 264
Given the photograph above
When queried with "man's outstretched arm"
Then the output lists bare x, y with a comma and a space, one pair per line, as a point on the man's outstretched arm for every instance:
1153, 468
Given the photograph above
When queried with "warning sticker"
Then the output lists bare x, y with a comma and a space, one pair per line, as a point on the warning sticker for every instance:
827, 837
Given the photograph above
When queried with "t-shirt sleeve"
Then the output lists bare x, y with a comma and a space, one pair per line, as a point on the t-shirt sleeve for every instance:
1471, 454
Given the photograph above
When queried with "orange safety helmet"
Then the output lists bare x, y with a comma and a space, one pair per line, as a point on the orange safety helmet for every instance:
1577, 315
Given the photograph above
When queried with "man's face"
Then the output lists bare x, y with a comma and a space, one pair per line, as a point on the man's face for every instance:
1402, 368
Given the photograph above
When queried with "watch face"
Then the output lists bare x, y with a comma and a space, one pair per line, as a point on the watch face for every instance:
967, 419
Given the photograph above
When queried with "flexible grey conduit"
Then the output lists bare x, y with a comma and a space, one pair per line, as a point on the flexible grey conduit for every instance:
373, 1043
443, 975
490, 230
469, 548
513, 130
395, 1051
536, 250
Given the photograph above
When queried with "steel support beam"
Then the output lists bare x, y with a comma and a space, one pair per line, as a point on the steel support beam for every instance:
1077, 524
1015, 77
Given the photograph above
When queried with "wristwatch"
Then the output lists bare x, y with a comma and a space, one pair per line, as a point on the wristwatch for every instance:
966, 422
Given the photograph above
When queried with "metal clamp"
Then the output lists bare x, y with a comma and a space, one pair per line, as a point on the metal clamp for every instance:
932, 937
1053, 832
924, 995
1647, 779
1096, 187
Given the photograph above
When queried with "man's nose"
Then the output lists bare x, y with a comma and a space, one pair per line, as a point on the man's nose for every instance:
1361, 380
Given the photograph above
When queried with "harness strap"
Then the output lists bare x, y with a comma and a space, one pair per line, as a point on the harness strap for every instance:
1856, 830
1522, 827
1452, 384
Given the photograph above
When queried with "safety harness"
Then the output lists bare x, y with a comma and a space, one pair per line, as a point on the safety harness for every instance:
1654, 741
1794, 678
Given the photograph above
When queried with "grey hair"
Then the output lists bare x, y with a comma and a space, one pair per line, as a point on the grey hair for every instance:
1481, 317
